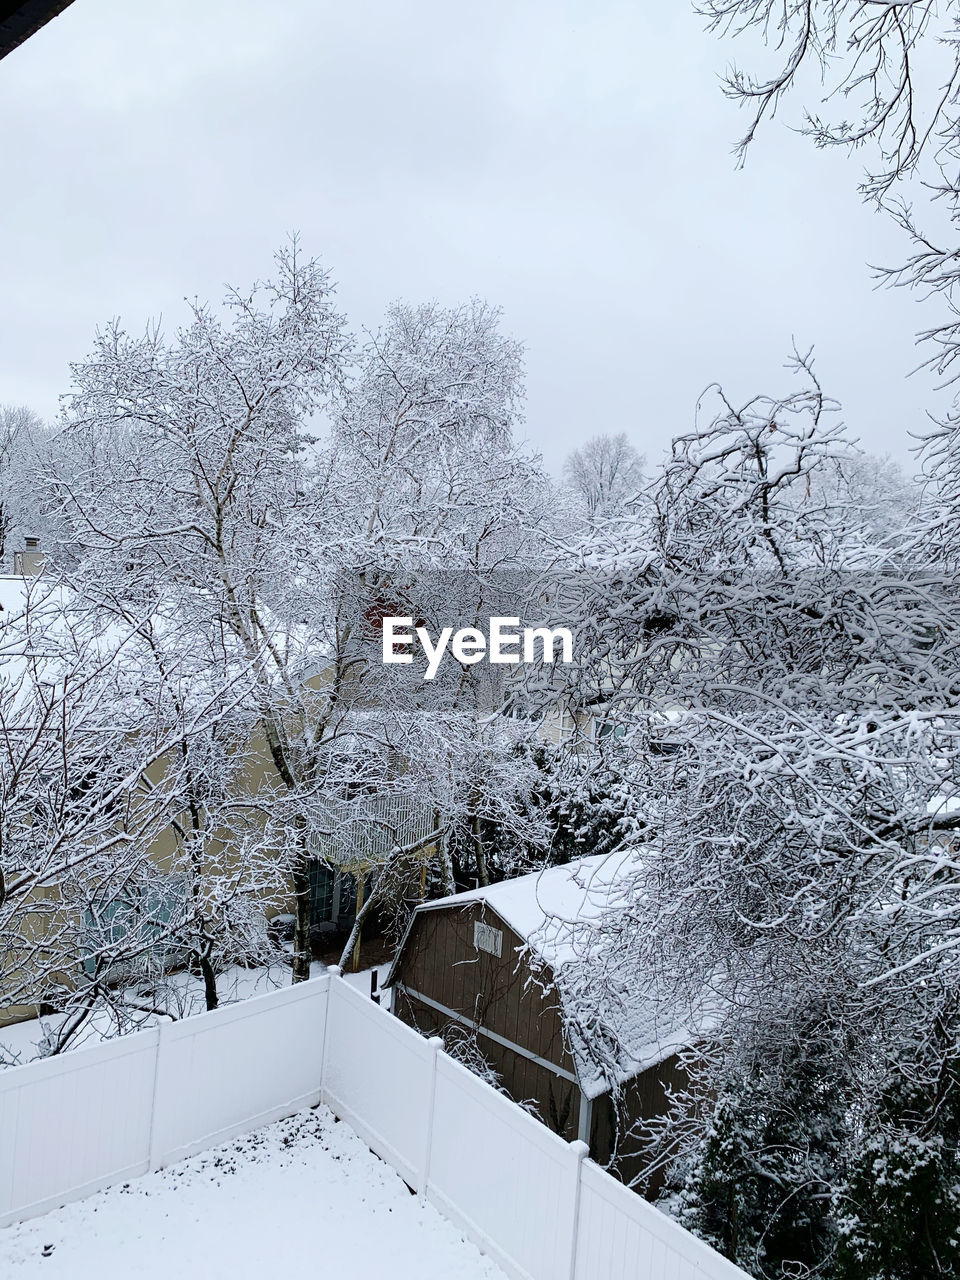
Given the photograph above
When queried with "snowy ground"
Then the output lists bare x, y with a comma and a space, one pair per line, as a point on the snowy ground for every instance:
303, 1196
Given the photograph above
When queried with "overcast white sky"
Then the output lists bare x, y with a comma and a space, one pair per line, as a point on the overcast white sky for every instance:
569, 161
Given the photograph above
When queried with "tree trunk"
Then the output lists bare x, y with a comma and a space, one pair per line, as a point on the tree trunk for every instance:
354, 938
301, 927
209, 977
359, 922
482, 878
446, 862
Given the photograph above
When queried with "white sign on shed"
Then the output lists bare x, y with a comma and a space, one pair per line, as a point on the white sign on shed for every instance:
486, 938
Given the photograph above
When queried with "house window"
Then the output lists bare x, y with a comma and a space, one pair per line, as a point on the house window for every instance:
333, 895
138, 924
321, 893
486, 938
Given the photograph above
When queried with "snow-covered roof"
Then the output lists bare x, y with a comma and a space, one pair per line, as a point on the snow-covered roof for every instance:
49, 631
15, 590
25, 604
549, 908
943, 807
619, 1022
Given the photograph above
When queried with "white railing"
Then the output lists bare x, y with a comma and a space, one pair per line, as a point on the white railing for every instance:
533, 1202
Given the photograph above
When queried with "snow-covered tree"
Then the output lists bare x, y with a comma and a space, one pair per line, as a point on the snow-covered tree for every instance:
940, 458
439, 512
888, 79
199, 505
761, 1178
786, 681
23, 436
86, 777
604, 474
875, 495
574, 804
185, 486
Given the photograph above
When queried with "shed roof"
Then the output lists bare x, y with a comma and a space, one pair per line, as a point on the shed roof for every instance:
619, 1023
550, 908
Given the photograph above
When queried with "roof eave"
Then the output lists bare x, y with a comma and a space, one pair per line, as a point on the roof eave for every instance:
19, 21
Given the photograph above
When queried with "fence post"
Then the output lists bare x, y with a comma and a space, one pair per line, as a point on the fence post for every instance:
579, 1151
333, 972
152, 1164
436, 1044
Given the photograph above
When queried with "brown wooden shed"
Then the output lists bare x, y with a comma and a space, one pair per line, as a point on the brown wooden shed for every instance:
485, 969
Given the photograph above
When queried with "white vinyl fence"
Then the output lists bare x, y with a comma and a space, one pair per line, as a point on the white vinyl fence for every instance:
533, 1202
74, 1123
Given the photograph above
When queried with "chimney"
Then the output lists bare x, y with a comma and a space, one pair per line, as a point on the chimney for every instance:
29, 563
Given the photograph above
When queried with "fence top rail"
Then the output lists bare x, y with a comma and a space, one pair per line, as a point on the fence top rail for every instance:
73, 1060
250, 1007
117, 1047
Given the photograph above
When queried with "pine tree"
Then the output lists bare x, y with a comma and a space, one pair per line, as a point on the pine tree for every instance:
759, 1190
899, 1207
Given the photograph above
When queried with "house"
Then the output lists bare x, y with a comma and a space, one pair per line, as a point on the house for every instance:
499, 972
